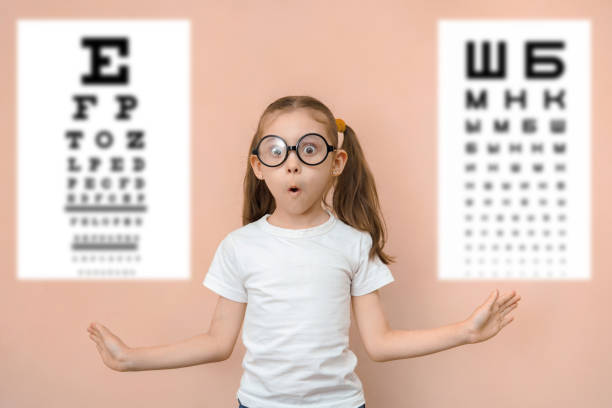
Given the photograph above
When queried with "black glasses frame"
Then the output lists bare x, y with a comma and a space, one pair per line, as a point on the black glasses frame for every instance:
330, 148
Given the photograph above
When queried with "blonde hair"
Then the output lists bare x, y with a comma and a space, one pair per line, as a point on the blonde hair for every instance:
355, 200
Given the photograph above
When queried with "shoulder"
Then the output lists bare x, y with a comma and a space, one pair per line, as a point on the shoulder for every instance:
351, 236
244, 233
349, 230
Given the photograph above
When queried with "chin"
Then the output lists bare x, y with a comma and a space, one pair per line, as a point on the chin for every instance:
294, 208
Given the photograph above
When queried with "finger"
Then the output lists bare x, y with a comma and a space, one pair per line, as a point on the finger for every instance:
506, 322
101, 349
506, 298
493, 298
100, 330
103, 330
99, 338
511, 301
514, 301
95, 340
508, 309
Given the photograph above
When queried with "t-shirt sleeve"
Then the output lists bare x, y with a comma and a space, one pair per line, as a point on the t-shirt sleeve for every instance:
224, 276
370, 274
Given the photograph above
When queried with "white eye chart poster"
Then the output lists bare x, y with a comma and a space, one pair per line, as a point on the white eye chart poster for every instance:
514, 182
103, 149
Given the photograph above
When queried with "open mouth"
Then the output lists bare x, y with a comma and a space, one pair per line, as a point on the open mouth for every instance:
294, 189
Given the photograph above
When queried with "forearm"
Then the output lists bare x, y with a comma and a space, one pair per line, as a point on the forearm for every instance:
400, 344
200, 349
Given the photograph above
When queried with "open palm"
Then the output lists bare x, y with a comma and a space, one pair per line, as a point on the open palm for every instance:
490, 317
112, 350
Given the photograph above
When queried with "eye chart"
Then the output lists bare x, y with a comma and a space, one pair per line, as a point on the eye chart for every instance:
514, 182
103, 133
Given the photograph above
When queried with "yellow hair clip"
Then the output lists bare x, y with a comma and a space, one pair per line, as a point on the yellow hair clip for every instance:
341, 125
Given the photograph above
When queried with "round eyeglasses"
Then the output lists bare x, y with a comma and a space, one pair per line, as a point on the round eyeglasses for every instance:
311, 149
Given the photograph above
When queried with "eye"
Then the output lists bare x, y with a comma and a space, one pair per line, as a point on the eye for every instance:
309, 149
276, 151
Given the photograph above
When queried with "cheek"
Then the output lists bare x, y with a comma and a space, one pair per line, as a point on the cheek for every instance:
275, 184
318, 179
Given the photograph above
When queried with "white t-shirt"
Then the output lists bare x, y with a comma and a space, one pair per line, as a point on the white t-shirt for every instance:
298, 284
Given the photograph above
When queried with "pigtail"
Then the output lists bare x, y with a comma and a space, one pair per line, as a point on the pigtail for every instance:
258, 200
355, 200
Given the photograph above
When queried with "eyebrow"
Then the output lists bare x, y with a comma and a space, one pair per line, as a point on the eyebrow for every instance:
307, 133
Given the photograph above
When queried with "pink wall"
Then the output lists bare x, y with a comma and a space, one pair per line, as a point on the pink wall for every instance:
374, 64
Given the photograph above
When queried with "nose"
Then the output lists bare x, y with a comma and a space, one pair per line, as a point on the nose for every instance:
293, 162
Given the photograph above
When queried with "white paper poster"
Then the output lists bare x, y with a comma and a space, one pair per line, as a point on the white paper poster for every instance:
514, 167
103, 149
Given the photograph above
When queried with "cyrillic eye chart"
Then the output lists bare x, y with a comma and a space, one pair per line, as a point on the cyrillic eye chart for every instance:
514, 149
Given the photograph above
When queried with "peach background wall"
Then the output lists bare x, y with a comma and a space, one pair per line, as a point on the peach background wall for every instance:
374, 64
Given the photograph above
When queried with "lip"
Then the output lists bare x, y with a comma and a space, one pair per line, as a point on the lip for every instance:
294, 193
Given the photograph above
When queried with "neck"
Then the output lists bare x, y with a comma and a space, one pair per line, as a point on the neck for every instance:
312, 217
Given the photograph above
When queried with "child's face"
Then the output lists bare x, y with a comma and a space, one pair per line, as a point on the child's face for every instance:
312, 181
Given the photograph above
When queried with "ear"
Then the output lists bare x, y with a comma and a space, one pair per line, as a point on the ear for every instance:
256, 166
339, 162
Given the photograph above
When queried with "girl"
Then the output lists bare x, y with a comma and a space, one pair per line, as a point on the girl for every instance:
295, 267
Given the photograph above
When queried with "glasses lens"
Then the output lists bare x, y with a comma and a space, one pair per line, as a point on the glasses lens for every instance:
272, 150
312, 149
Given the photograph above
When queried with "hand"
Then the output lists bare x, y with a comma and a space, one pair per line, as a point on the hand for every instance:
112, 350
489, 318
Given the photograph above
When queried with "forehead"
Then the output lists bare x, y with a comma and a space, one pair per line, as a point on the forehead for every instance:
295, 124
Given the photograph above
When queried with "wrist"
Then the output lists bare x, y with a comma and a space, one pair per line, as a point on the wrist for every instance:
465, 332
126, 361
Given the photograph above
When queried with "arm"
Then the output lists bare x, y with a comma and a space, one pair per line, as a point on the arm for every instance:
384, 344
215, 345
